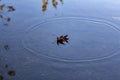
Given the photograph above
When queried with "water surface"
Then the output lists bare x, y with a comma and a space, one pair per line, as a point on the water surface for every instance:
92, 52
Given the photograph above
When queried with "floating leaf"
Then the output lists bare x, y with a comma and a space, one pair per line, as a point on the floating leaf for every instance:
1, 77
8, 19
61, 1
45, 1
55, 3
10, 8
1, 7
62, 39
44, 7
6, 47
11, 73
6, 66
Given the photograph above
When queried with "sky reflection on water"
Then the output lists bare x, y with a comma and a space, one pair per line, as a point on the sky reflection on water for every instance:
29, 13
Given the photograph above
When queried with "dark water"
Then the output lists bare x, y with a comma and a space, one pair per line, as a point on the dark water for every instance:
28, 43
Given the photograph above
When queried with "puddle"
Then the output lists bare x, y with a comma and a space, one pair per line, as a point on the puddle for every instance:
89, 39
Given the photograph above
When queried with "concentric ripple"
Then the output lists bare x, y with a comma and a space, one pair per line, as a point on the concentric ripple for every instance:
89, 39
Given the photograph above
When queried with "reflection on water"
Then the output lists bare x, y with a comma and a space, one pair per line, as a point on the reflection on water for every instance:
45, 4
3, 13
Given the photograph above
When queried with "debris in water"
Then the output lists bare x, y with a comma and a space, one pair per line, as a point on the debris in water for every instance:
1, 77
11, 73
45, 4
55, 3
2, 6
6, 66
62, 39
61, 1
44, 7
6, 47
8, 19
45, 1
4, 17
10, 8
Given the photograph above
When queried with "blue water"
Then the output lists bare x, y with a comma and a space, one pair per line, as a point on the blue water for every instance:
92, 51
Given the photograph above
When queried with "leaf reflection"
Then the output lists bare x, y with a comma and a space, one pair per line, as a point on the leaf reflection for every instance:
4, 9
45, 4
